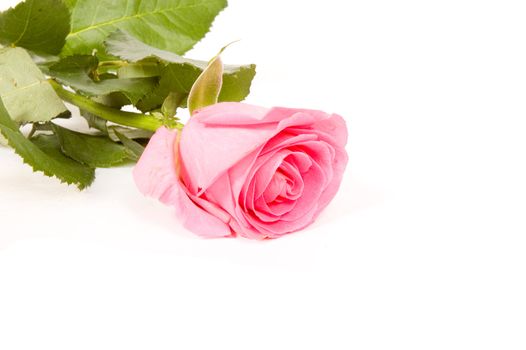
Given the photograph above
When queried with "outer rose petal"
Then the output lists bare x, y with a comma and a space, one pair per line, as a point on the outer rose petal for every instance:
333, 131
155, 175
231, 113
208, 152
335, 127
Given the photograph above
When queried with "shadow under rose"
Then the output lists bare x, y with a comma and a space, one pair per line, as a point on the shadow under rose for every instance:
354, 196
155, 213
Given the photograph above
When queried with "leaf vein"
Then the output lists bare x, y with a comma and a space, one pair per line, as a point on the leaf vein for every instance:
26, 24
125, 18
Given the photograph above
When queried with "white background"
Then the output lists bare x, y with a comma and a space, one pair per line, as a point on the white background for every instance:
423, 248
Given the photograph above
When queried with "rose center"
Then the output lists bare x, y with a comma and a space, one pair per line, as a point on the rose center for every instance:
286, 184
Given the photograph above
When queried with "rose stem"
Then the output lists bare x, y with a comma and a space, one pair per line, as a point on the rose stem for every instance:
135, 120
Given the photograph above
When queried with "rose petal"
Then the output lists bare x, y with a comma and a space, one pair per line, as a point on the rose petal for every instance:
155, 176
278, 208
274, 188
295, 191
231, 113
264, 172
285, 139
208, 151
334, 127
314, 184
280, 228
219, 136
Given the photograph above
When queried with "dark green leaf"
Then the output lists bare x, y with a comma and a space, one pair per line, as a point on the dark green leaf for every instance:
92, 150
178, 74
180, 78
74, 71
236, 85
24, 90
95, 121
43, 154
37, 25
123, 45
76, 64
114, 99
129, 48
173, 25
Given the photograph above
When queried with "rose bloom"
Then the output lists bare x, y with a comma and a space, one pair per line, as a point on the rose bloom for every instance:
238, 169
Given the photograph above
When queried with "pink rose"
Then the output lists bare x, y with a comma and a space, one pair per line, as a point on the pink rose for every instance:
247, 170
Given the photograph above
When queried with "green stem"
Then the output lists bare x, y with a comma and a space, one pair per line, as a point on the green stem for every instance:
33, 130
135, 120
108, 66
113, 63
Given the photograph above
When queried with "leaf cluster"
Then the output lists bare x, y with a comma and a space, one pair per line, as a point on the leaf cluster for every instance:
100, 56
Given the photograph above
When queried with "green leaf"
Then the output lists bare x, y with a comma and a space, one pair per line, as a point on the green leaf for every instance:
146, 68
134, 148
129, 48
206, 89
37, 25
70, 3
114, 100
24, 90
180, 78
95, 122
43, 154
76, 64
178, 74
236, 85
74, 71
94, 151
126, 46
172, 25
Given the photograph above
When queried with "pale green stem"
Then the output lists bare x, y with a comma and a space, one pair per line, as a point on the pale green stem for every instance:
113, 63
135, 120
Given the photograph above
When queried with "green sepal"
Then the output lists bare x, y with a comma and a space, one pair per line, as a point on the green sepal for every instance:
206, 89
